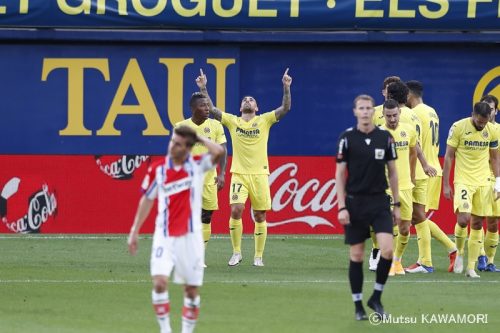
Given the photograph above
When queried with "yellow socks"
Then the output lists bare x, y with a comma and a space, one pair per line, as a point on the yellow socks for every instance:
460, 237
395, 233
440, 236
401, 245
235, 230
424, 243
481, 251
260, 236
490, 245
475, 240
207, 232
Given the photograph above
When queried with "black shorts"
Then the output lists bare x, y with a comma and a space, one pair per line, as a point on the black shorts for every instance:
365, 211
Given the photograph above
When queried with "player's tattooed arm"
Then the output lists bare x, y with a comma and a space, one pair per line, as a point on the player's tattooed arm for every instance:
201, 81
286, 104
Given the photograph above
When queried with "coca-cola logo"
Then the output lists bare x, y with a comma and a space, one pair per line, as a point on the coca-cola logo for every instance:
120, 167
42, 204
306, 200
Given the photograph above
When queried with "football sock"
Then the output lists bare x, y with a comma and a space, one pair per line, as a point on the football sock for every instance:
460, 237
395, 233
441, 237
474, 247
260, 236
490, 245
161, 306
356, 281
481, 250
207, 232
401, 245
384, 265
424, 243
236, 230
190, 312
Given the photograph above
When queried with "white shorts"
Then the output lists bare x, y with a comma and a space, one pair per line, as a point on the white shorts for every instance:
184, 255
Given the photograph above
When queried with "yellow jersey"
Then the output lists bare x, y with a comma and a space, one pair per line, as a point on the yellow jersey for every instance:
249, 139
472, 151
405, 138
429, 139
378, 116
212, 130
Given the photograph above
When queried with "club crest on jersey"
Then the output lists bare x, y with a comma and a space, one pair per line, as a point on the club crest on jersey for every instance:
235, 197
254, 125
485, 134
206, 130
403, 134
379, 154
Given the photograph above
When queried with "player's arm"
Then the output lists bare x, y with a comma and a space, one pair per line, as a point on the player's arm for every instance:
142, 213
340, 182
495, 166
201, 82
393, 184
214, 149
286, 103
413, 162
428, 169
221, 176
449, 158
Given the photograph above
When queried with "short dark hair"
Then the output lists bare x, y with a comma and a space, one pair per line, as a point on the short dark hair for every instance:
398, 91
482, 109
188, 133
390, 79
195, 97
363, 97
391, 104
416, 87
490, 99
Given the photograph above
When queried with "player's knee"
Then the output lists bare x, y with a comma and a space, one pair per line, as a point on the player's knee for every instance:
259, 215
206, 216
159, 284
404, 229
191, 291
237, 211
492, 225
463, 220
386, 252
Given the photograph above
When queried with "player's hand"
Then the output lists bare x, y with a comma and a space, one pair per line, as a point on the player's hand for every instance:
132, 242
201, 80
430, 171
344, 217
220, 180
287, 79
396, 215
447, 191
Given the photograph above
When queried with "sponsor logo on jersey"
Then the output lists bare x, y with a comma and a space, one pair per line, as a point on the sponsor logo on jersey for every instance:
177, 186
471, 143
248, 133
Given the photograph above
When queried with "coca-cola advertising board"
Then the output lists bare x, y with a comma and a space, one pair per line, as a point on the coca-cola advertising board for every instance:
99, 194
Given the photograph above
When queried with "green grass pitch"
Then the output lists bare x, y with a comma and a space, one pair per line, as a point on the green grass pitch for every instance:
82, 284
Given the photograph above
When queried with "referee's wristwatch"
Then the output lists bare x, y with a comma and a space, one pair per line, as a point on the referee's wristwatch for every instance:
396, 204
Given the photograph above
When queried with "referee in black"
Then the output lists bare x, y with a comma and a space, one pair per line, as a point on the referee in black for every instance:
364, 152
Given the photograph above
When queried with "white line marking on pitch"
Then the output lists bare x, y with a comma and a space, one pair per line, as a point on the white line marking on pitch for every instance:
27, 281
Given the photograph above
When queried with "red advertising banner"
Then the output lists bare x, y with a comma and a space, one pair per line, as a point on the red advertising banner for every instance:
99, 194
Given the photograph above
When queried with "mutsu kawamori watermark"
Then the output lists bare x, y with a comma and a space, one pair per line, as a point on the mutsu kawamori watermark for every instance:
430, 318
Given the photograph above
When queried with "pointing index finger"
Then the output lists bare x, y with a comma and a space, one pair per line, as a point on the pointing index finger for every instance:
286, 72
201, 72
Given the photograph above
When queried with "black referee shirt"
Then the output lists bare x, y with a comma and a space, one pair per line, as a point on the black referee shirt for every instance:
366, 155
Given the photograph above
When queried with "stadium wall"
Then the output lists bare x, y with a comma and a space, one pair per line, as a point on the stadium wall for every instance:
84, 112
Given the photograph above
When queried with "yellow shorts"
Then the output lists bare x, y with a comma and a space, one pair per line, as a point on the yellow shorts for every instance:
495, 205
210, 200
419, 192
433, 193
473, 199
405, 198
254, 186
